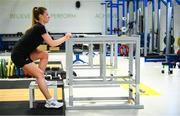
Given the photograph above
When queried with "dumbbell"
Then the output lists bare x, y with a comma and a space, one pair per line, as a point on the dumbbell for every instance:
63, 74
55, 70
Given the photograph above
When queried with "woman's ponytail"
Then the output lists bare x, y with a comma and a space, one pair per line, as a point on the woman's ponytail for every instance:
36, 12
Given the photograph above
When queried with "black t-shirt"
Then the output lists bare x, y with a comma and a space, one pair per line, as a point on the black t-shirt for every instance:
30, 40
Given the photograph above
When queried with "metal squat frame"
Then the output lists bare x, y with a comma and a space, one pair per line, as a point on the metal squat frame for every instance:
103, 80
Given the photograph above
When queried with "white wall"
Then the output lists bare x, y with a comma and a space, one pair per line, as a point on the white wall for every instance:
16, 15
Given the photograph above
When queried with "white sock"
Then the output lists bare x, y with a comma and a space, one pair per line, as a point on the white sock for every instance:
50, 99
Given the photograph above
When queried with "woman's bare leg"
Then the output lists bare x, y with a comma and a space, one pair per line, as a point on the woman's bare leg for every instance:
35, 71
42, 56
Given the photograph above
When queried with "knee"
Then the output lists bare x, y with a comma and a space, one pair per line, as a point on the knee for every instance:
44, 55
40, 74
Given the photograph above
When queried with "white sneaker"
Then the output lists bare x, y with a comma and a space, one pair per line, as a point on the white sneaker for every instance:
47, 82
53, 104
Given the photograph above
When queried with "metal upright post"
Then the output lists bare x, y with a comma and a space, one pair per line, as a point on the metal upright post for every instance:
67, 63
106, 21
91, 55
137, 73
134, 15
118, 19
112, 53
111, 17
123, 13
104, 61
128, 15
168, 25
158, 25
69, 74
172, 20
115, 55
153, 23
130, 70
145, 26
137, 16
101, 59
130, 59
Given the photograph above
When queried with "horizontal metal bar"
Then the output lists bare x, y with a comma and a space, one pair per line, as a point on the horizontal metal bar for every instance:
99, 98
85, 67
88, 65
101, 82
104, 107
100, 77
106, 39
104, 42
91, 86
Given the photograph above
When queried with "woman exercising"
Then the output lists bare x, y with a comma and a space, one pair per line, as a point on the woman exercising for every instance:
25, 52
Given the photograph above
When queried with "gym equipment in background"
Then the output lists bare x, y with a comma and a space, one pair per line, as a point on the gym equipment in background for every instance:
102, 80
3, 68
171, 62
124, 50
54, 70
78, 49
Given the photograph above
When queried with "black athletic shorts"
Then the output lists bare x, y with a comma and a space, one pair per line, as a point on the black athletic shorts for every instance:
20, 59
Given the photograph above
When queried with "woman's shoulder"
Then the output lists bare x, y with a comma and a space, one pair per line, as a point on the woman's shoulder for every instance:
38, 25
35, 27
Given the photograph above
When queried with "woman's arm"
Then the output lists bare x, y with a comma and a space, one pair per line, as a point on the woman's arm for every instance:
56, 42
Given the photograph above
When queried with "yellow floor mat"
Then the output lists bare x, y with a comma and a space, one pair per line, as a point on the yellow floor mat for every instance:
23, 94
144, 90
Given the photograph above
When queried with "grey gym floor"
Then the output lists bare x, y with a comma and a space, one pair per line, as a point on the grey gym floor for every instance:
167, 104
